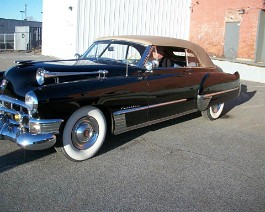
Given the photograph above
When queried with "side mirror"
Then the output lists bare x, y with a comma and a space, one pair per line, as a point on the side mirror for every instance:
151, 65
77, 56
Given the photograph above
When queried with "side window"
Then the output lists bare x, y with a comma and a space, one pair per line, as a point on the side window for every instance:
184, 58
179, 57
133, 53
123, 53
192, 60
115, 51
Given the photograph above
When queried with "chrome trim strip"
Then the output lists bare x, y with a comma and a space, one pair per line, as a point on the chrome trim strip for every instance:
120, 122
45, 125
13, 101
48, 74
168, 103
120, 112
220, 92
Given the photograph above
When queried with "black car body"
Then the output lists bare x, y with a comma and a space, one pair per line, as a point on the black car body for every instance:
117, 85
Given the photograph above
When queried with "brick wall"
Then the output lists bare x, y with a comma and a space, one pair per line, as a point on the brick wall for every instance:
208, 18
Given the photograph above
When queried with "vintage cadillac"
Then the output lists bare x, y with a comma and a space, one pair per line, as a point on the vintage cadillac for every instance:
119, 84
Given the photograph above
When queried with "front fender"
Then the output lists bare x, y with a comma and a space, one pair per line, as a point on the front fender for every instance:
61, 100
69, 96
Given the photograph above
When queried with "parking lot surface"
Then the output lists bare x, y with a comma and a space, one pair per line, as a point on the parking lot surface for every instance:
185, 164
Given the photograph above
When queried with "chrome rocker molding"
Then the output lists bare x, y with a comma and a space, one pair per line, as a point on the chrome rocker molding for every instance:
120, 122
120, 119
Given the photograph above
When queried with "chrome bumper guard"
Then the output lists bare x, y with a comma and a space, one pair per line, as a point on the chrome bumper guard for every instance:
34, 135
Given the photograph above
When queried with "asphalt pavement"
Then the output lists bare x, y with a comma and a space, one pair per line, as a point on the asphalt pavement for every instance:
185, 164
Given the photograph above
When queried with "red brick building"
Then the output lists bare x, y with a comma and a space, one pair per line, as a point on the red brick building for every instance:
230, 29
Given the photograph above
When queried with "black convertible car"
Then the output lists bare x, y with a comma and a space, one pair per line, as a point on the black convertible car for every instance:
118, 84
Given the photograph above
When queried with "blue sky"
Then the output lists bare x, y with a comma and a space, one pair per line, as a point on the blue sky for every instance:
10, 9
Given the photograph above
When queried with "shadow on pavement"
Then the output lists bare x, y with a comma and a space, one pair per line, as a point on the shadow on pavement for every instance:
115, 141
20, 157
244, 97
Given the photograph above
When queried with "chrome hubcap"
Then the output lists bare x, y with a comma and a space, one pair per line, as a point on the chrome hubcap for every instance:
85, 133
216, 108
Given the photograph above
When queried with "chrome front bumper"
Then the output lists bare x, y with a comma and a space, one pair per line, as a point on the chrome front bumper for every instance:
27, 132
26, 140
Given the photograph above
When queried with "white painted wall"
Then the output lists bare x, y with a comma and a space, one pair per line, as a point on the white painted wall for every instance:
66, 32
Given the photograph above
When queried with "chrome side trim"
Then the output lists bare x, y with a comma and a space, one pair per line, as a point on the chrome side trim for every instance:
120, 112
203, 101
120, 122
220, 92
120, 125
167, 103
48, 74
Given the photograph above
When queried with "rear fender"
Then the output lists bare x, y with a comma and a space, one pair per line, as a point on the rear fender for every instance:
217, 88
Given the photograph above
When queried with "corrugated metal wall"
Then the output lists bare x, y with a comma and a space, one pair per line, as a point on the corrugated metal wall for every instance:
97, 18
70, 26
59, 28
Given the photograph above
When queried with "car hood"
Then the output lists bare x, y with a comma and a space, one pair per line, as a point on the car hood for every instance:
22, 78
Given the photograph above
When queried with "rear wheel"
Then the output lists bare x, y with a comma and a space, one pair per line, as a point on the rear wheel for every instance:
83, 134
213, 112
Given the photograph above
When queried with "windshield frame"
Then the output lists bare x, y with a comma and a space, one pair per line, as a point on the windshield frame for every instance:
140, 63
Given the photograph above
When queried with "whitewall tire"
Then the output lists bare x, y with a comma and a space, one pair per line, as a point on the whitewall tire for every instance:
83, 133
213, 112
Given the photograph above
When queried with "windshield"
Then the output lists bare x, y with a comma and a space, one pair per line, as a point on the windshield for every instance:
116, 51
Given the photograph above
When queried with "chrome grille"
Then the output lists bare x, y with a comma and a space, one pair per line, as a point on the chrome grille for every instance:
11, 107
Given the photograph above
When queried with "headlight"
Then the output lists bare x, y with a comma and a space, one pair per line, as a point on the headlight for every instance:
40, 76
31, 101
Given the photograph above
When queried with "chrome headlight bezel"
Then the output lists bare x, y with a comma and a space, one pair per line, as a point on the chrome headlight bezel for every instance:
40, 76
31, 101
3, 84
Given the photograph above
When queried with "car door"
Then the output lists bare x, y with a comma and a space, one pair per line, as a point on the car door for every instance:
173, 90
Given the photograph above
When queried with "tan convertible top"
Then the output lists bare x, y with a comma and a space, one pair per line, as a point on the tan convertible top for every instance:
166, 41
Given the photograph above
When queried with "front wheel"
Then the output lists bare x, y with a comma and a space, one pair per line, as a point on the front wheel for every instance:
213, 112
83, 134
